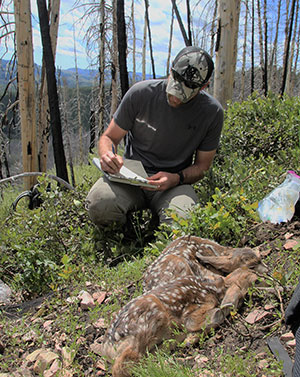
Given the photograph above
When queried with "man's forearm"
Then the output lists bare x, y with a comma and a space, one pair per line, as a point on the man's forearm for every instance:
104, 145
201, 165
193, 174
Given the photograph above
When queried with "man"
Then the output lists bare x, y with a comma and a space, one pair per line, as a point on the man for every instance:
173, 127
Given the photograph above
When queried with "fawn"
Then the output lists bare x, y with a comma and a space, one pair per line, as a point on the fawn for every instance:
187, 295
191, 255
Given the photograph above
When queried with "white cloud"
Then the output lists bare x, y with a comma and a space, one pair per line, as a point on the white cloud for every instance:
160, 17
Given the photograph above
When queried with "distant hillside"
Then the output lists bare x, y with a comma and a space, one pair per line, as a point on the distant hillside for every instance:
86, 77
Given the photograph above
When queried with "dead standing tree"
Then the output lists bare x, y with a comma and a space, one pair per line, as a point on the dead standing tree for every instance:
287, 50
261, 47
114, 63
187, 41
102, 66
122, 47
252, 47
265, 79
226, 49
273, 57
243, 71
43, 102
293, 61
133, 43
188, 11
150, 38
55, 121
78, 102
170, 42
144, 49
26, 88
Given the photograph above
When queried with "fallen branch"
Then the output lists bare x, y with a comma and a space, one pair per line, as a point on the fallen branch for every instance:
32, 174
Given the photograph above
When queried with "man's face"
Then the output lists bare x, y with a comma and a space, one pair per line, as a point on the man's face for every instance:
178, 94
173, 101
176, 102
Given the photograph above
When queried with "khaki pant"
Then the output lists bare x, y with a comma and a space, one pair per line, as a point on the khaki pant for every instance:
109, 201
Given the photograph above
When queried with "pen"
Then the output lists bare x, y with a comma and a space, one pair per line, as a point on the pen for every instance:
113, 149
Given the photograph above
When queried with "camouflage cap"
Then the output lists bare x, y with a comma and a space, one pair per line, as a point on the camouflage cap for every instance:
191, 70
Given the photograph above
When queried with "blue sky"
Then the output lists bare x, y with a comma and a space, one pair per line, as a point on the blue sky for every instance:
160, 17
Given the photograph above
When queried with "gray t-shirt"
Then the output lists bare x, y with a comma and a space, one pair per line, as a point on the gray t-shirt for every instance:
164, 138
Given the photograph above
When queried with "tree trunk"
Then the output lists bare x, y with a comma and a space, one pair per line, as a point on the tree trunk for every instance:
261, 48
288, 89
188, 11
243, 72
228, 15
122, 47
3, 154
67, 129
296, 57
150, 39
273, 66
181, 26
102, 67
252, 48
286, 29
213, 28
78, 103
265, 78
133, 43
114, 64
43, 124
58, 148
170, 43
290, 31
92, 131
144, 49
26, 89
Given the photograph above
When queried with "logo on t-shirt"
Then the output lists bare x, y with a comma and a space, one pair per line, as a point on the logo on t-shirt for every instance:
146, 124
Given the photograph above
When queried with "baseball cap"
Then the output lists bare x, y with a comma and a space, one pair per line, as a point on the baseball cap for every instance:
191, 69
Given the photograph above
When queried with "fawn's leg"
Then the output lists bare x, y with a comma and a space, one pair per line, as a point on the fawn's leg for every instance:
238, 283
202, 317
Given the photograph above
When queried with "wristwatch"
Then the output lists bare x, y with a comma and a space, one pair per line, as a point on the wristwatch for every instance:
181, 178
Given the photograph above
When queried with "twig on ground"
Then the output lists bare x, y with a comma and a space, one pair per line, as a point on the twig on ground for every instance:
33, 174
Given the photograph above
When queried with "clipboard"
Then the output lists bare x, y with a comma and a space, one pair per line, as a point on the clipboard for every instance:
126, 174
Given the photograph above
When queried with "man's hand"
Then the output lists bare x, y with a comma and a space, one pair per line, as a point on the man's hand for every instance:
163, 181
111, 163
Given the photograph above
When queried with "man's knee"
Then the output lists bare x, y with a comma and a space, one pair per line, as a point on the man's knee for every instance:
181, 199
102, 205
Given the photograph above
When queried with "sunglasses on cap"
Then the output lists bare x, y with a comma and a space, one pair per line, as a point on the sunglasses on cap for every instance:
188, 84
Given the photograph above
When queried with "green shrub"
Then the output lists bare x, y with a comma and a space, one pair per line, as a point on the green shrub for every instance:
260, 143
261, 126
226, 218
42, 248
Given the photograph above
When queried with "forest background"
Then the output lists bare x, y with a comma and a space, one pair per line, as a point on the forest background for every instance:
255, 45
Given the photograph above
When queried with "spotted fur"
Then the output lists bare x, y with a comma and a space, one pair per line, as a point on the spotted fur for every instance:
187, 287
191, 255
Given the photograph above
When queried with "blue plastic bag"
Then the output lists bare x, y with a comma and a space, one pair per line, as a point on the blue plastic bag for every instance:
279, 205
